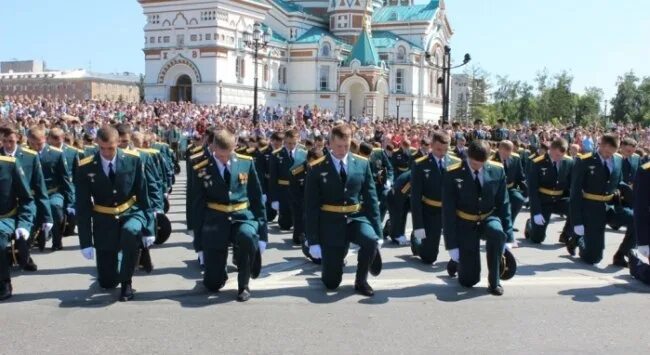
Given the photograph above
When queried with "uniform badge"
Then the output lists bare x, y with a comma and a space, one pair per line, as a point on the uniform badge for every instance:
324, 176
592, 169
378, 164
243, 178
426, 173
459, 183
543, 171
92, 177
206, 184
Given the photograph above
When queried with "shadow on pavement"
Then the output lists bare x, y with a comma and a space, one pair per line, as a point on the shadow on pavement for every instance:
595, 294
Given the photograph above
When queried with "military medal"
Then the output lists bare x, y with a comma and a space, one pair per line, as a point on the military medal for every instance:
92, 177
543, 171
426, 173
243, 178
460, 183
324, 176
592, 169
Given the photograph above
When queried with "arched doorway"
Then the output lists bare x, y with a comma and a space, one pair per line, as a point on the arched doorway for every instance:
182, 91
357, 100
381, 102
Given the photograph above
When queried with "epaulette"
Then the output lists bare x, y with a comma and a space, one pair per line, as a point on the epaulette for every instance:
359, 156
376, 149
317, 161
80, 151
200, 165
87, 160
405, 189
636, 155
532, 156
277, 151
89, 146
7, 159
412, 149
420, 159
56, 149
197, 155
29, 151
244, 157
538, 159
302, 150
453, 167
585, 156
250, 150
196, 149
298, 170
496, 163
263, 148
396, 150
618, 155
646, 166
515, 155
132, 153
567, 157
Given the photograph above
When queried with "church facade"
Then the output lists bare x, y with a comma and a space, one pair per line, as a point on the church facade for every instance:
354, 57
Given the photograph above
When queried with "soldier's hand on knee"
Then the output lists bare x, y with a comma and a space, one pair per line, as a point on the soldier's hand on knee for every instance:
454, 254
275, 205
47, 227
148, 241
644, 250
71, 211
262, 245
539, 219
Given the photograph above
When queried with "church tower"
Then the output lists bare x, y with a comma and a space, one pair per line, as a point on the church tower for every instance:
347, 17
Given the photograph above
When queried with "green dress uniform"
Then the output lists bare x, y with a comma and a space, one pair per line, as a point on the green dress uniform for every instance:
595, 202
382, 173
398, 200
90, 150
195, 155
228, 208
58, 180
31, 165
72, 157
548, 191
515, 182
262, 160
400, 160
630, 166
16, 211
168, 159
426, 203
342, 209
472, 211
113, 210
280, 170
639, 269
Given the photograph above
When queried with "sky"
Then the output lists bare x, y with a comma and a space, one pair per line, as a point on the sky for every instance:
594, 40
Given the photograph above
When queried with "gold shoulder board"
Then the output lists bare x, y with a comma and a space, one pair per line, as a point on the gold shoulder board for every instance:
317, 161
86, 161
244, 157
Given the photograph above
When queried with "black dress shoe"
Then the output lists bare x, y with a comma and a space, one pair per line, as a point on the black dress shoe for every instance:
634, 263
452, 268
496, 291
619, 260
364, 289
414, 249
297, 239
244, 295
57, 247
515, 229
30, 266
126, 294
5, 290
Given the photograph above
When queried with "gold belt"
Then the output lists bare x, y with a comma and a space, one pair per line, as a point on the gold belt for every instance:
510, 185
117, 209
402, 169
228, 208
472, 217
551, 192
430, 202
10, 213
341, 209
283, 182
597, 198
52, 190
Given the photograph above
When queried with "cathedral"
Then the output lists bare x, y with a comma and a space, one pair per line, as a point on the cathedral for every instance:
378, 58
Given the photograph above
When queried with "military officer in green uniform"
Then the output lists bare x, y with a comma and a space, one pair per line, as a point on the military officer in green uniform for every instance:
262, 163
228, 208
382, 173
342, 207
595, 199
401, 159
475, 206
31, 166
58, 181
398, 200
630, 166
515, 177
112, 205
72, 155
639, 268
426, 197
549, 182
16, 215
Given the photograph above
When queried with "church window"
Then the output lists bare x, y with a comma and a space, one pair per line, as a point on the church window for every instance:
431, 83
325, 50
152, 40
265, 72
401, 54
193, 38
208, 36
165, 39
180, 40
154, 19
324, 77
399, 81
240, 69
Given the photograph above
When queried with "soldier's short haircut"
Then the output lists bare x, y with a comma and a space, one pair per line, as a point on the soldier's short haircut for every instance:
56, 132
609, 139
8, 130
314, 154
123, 129
319, 139
290, 134
354, 146
440, 137
107, 134
629, 142
262, 141
342, 131
223, 139
277, 136
365, 149
506, 144
560, 144
137, 138
478, 150
88, 139
425, 141
36, 132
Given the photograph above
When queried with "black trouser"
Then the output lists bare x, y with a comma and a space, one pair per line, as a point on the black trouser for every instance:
285, 216
57, 228
118, 266
364, 236
538, 233
469, 264
398, 209
4, 266
215, 276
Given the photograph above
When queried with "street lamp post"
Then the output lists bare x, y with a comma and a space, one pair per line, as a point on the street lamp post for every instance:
445, 79
220, 92
397, 103
257, 40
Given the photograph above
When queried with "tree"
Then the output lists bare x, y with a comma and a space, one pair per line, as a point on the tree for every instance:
626, 105
479, 88
560, 98
506, 97
141, 87
588, 106
526, 105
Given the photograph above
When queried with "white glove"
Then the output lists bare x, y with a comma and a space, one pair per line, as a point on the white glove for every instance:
22, 233
262, 245
88, 253
579, 230
71, 211
275, 205
200, 254
643, 250
47, 227
380, 243
388, 184
539, 219
419, 234
264, 199
454, 254
148, 241
315, 252
510, 246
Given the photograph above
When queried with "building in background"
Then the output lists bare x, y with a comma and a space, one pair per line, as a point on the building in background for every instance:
32, 78
459, 98
353, 57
